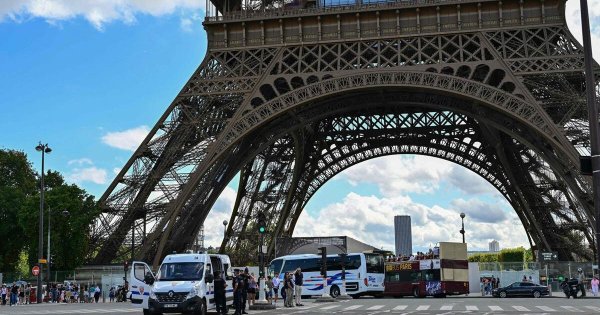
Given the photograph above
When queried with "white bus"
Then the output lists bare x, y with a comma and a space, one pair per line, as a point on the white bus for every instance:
364, 273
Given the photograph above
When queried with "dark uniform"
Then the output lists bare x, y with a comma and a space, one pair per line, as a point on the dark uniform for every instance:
220, 299
238, 285
245, 286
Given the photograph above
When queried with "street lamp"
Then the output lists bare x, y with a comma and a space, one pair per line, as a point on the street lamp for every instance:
224, 230
65, 213
44, 148
462, 230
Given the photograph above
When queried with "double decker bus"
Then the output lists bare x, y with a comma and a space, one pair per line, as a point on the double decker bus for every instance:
364, 273
441, 275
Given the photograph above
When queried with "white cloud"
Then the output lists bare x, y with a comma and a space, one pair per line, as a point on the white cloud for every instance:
369, 219
128, 139
80, 162
98, 13
89, 174
573, 16
221, 210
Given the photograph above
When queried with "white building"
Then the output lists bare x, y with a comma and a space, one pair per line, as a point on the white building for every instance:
494, 246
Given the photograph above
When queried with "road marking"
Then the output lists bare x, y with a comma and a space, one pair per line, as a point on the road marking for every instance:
422, 307
571, 309
399, 308
495, 308
521, 308
546, 308
353, 307
375, 307
472, 308
595, 308
446, 308
328, 307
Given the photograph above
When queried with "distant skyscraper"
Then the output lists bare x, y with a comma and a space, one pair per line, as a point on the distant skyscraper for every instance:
494, 246
403, 234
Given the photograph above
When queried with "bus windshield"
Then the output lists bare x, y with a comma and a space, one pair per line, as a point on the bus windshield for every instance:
275, 266
183, 271
375, 263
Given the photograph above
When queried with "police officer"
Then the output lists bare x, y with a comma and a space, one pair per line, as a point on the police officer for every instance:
237, 292
246, 284
220, 299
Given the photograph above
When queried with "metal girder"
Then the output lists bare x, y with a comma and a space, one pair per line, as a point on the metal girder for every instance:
281, 84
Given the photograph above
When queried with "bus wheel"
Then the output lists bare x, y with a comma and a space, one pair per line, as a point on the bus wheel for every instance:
334, 291
416, 292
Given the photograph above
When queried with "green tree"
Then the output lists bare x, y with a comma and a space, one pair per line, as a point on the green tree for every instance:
69, 233
17, 184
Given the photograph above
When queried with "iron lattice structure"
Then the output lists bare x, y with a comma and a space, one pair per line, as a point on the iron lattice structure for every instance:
292, 93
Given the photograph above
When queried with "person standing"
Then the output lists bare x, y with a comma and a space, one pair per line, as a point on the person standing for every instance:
14, 291
595, 283
251, 289
111, 294
27, 292
245, 287
237, 292
581, 278
276, 283
269, 289
298, 282
97, 293
220, 299
3, 293
289, 291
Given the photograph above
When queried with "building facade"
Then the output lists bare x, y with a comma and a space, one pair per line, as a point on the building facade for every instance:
403, 234
494, 246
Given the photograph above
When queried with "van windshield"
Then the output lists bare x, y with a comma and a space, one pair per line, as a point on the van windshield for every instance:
183, 271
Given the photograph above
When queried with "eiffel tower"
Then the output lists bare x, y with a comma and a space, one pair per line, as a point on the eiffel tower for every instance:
291, 93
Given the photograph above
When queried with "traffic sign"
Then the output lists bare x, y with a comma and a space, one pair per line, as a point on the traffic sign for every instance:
42, 261
549, 256
35, 270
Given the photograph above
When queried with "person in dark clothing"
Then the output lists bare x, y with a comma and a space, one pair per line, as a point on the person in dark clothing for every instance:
245, 287
237, 292
220, 299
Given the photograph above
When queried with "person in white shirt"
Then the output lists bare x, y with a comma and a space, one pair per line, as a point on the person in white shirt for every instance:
276, 283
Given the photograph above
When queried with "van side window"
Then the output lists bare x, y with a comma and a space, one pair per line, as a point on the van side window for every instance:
139, 272
228, 273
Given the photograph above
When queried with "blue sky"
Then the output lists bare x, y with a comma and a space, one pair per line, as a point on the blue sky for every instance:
92, 77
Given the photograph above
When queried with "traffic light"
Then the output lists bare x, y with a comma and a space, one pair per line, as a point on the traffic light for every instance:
126, 266
261, 223
323, 253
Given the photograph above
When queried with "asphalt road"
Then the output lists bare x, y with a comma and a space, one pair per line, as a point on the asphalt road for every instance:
370, 306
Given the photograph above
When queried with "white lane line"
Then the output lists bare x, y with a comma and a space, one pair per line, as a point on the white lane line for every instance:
399, 308
571, 309
546, 308
595, 308
521, 308
446, 308
328, 307
353, 307
495, 308
422, 307
472, 308
375, 307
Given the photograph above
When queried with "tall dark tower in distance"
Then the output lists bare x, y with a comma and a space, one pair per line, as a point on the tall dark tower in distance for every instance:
403, 235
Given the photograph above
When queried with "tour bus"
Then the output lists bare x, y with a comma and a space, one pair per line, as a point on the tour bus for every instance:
364, 273
444, 274
183, 283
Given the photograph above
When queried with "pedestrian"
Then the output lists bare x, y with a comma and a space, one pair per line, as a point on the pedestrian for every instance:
298, 282
276, 283
595, 283
245, 287
86, 295
269, 289
3, 293
237, 292
111, 294
581, 279
220, 299
27, 292
289, 291
97, 293
14, 291
285, 275
251, 289
21, 295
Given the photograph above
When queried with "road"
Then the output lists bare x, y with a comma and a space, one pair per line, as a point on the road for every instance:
367, 306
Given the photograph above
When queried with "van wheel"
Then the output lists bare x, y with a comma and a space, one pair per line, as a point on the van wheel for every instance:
202, 309
416, 292
334, 291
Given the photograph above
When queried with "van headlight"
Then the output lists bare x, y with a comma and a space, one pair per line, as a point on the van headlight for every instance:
193, 293
152, 294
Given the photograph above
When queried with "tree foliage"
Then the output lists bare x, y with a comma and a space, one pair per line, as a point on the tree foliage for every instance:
518, 254
20, 208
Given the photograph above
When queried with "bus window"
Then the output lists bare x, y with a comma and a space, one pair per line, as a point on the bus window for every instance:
275, 266
431, 275
374, 263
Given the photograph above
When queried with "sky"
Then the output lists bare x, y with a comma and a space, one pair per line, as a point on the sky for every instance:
90, 78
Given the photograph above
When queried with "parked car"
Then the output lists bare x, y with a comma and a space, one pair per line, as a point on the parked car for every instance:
521, 289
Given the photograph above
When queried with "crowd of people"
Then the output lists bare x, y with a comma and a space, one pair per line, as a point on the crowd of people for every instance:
21, 293
15, 294
245, 290
433, 253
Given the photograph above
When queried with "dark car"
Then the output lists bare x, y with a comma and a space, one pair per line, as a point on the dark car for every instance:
521, 289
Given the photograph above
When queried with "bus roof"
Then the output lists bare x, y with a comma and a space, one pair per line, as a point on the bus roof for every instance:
301, 256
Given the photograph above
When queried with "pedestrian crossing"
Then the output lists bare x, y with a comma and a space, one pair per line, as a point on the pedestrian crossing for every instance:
341, 308
54, 310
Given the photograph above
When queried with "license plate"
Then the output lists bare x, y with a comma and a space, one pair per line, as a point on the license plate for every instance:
170, 305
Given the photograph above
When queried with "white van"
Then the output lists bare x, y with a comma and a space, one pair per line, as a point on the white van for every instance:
183, 283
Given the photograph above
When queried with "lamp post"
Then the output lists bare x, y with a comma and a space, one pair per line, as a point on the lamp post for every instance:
224, 231
65, 213
44, 148
462, 230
